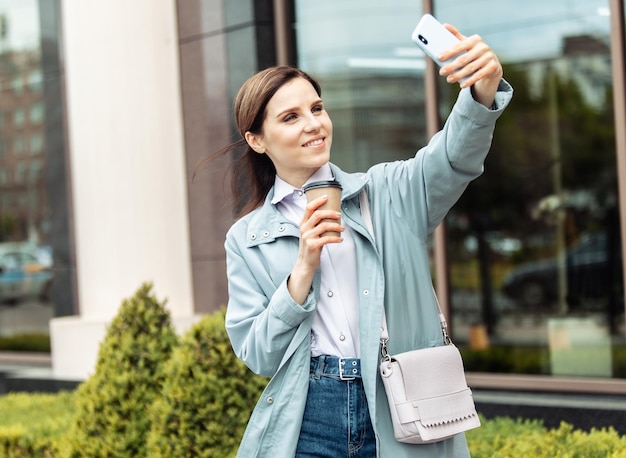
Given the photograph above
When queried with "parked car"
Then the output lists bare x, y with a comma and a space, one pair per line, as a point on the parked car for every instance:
23, 273
589, 275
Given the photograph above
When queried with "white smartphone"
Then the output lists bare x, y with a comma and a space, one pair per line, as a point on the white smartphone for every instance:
433, 38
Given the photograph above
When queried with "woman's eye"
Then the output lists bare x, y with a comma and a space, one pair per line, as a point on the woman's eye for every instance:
318, 108
289, 117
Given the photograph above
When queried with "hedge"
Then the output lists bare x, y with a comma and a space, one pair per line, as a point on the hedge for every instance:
32, 342
155, 395
34, 424
512, 438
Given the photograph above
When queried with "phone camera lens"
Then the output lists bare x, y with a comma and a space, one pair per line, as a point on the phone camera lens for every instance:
422, 39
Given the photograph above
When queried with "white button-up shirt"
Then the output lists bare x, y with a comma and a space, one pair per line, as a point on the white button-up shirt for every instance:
335, 329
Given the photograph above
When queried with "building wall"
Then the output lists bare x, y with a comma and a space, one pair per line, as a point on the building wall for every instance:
147, 94
205, 113
220, 44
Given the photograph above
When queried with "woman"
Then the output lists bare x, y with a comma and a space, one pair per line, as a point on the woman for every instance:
300, 303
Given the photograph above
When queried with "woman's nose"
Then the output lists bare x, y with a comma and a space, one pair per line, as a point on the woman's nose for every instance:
312, 123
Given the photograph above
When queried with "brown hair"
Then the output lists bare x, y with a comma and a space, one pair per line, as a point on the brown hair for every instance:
254, 173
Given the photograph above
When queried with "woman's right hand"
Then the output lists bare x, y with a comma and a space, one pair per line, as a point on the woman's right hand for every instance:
477, 62
312, 241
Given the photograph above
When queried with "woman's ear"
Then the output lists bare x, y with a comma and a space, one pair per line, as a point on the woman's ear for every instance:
255, 142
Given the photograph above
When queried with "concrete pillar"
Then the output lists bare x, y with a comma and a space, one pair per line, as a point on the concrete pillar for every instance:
127, 167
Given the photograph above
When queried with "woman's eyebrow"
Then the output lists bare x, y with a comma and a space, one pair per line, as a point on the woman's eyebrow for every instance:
285, 111
295, 109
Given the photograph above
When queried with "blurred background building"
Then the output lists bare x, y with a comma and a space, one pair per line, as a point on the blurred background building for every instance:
106, 108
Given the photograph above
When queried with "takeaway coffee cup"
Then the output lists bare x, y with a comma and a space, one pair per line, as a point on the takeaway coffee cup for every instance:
332, 189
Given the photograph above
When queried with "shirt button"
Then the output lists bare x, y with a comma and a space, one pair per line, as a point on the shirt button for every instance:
281, 229
270, 400
365, 292
253, 236
300, 193
329, 294
266, 234
342, 337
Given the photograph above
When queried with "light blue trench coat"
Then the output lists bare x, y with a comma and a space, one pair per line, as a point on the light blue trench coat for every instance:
271, 333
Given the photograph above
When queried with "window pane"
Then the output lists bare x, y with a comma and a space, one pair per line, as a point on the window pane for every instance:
371, 76
24, 212
18, 117
36, 143
36, 113
534, 246
18, 145
35, 81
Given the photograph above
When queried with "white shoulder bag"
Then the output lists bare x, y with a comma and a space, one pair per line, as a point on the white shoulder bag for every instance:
428, 396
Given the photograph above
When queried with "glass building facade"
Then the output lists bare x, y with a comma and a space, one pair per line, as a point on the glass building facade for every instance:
532, 258
35, 266
528, 264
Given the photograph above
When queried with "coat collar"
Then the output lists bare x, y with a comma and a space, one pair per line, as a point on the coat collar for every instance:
266, 223
283, 189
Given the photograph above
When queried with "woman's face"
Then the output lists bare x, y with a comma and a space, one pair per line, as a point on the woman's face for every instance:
296, 133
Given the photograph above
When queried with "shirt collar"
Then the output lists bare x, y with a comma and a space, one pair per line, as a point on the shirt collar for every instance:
282, 189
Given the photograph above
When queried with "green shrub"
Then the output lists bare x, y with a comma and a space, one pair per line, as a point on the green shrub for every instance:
26, 342
207, 397
512, 359
112, 419
619, 361
507, 359
512, 438
33, 424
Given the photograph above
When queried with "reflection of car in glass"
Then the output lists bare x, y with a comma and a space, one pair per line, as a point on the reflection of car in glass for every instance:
23, 273
588, 274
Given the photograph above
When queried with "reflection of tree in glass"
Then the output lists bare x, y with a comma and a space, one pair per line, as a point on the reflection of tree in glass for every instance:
518, 168
519, 173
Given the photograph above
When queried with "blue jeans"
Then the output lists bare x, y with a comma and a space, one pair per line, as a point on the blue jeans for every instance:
336, 420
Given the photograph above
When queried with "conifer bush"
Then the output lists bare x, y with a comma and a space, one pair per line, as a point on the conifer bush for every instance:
112, 405
207, 397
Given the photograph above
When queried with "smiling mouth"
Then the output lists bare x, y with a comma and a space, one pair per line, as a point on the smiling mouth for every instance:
316, 142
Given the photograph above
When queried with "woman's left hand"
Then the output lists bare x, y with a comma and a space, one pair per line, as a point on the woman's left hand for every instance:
478, 64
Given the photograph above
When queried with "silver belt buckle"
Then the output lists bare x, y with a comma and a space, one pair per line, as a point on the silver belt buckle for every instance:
342, 365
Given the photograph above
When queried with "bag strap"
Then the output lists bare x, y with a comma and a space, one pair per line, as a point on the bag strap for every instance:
384, 333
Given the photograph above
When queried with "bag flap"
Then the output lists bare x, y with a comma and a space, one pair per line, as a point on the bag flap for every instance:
439, 410
446, 409
431, 372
